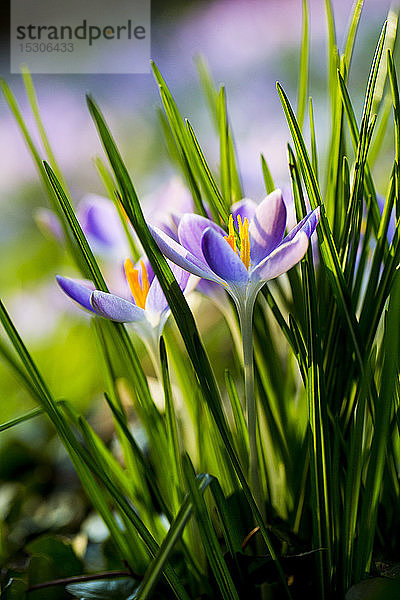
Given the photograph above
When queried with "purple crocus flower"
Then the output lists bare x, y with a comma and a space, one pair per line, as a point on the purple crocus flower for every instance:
205, 250
99, 221
147, 306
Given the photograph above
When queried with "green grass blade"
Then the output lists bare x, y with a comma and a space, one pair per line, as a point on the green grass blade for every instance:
351, 34
171, 539
76, 229
355, 136
209, 538
314, 153
224, 148
389, 377
333, 55
147, 472
242, 436
176, 474
111, 188
208, 86
16, 111
180, 134
32, 97
327, 244
269, 182
221, 205
302, 89
21, 419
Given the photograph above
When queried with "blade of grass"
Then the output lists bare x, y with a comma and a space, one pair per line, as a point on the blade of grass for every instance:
32, 97
390, 373
209, 538
176, 475
327, 245
269, 182
173, 536
351, 33
302, 88
21, 419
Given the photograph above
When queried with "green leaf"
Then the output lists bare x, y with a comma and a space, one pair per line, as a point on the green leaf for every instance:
351, 33
302, 88
21, 419
269, 182
171, 539
384, 408
209, 538
327, 244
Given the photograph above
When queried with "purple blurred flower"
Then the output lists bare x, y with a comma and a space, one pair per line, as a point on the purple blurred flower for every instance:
205, 250
100, 223
147, 307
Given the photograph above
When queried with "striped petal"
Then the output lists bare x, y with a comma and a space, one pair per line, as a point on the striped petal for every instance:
222, 259
282, 258
308, 225
180, 256
246, 208
115, 308
78, 290
267, 227
190, 233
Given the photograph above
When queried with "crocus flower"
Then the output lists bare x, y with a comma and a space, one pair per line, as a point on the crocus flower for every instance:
147, 306
99, 221
205, 250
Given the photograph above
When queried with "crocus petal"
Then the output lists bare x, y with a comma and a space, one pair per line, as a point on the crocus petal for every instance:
190, 233
222, 259
100, 220
246, 208
308, 225
148, 267
115, 308
180, 256
282, 258
78, 290
156, 300
267, 227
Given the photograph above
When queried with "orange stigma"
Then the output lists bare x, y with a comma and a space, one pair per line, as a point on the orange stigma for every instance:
139, 292
244, 239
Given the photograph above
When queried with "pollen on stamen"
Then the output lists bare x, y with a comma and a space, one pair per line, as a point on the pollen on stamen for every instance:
244, 242
243, 227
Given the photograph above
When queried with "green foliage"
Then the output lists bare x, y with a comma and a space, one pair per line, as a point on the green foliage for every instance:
181, 514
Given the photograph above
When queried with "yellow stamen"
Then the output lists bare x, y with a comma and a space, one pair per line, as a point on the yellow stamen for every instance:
139, 292
231, 237
244, 239
244, 242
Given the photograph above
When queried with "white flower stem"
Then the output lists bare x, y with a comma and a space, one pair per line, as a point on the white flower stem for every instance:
245, 311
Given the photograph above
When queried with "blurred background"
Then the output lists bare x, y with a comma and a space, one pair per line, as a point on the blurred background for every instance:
248, 45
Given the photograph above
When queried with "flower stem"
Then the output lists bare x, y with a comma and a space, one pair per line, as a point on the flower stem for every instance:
246, 325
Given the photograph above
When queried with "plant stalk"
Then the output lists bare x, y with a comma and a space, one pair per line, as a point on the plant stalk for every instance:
246, 326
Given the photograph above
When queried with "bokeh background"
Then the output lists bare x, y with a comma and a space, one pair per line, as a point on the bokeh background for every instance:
248, 45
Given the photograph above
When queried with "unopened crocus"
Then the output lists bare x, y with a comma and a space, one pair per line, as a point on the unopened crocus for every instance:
254, 251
